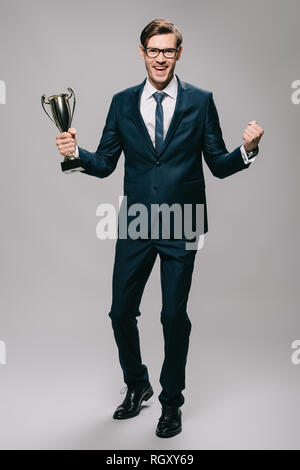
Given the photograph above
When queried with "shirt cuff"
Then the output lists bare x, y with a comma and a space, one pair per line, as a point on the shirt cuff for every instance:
247, 156
76, 151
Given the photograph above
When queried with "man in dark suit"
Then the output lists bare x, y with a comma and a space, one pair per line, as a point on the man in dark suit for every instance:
163, 126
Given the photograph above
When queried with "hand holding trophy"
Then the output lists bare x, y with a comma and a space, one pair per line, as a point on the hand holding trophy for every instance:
62, 118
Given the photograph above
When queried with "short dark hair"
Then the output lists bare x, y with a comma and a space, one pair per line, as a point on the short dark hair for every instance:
160, 26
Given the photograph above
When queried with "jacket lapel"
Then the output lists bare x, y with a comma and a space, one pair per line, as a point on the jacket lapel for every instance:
181, 104
180, 107
138, 118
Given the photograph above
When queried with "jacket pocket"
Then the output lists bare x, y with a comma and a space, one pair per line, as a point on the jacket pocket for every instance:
199, 181
188, 125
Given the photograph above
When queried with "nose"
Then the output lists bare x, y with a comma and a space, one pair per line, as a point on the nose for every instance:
160, 58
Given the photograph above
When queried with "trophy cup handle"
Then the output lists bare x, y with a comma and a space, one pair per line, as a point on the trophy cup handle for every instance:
43, 100
74, 102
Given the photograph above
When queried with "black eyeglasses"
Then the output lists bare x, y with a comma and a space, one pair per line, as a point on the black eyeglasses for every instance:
153, 52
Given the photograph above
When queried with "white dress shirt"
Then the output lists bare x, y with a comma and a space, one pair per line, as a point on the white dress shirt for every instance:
148, 110
148, 106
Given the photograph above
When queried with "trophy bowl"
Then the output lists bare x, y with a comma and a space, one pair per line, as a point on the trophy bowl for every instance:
62, 117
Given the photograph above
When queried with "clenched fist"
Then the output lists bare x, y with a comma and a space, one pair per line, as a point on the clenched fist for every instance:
252, 135
66, 142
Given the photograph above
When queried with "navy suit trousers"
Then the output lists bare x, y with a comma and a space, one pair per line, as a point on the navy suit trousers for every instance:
134, 260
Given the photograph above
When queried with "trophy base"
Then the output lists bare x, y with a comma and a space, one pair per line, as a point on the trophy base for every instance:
71, 166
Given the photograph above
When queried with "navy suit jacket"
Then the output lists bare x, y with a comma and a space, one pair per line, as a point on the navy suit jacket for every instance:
175, 174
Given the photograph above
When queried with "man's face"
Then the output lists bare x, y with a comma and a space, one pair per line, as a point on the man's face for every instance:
160, 69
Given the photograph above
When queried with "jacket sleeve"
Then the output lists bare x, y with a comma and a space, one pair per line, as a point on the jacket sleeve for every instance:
220, 162
104, 161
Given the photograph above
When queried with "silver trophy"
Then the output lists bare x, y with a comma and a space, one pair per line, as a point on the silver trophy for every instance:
62, 118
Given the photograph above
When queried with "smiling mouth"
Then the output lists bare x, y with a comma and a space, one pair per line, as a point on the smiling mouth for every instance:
159, 69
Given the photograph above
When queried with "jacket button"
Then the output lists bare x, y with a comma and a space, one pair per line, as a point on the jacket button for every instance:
158, 163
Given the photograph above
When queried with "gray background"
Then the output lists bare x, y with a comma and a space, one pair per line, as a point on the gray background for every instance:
62, 379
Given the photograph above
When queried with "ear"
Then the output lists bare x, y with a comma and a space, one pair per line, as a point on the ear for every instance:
141, 51
179, 53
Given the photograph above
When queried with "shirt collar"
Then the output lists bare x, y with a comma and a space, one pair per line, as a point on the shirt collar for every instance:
170, 89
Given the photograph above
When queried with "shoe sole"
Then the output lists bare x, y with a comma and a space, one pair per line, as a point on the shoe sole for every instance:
145, 398
171, 434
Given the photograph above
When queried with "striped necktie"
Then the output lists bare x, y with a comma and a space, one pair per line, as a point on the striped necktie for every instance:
159, 120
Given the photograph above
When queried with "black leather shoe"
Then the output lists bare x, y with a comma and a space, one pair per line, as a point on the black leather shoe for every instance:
169, 423
131, 405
